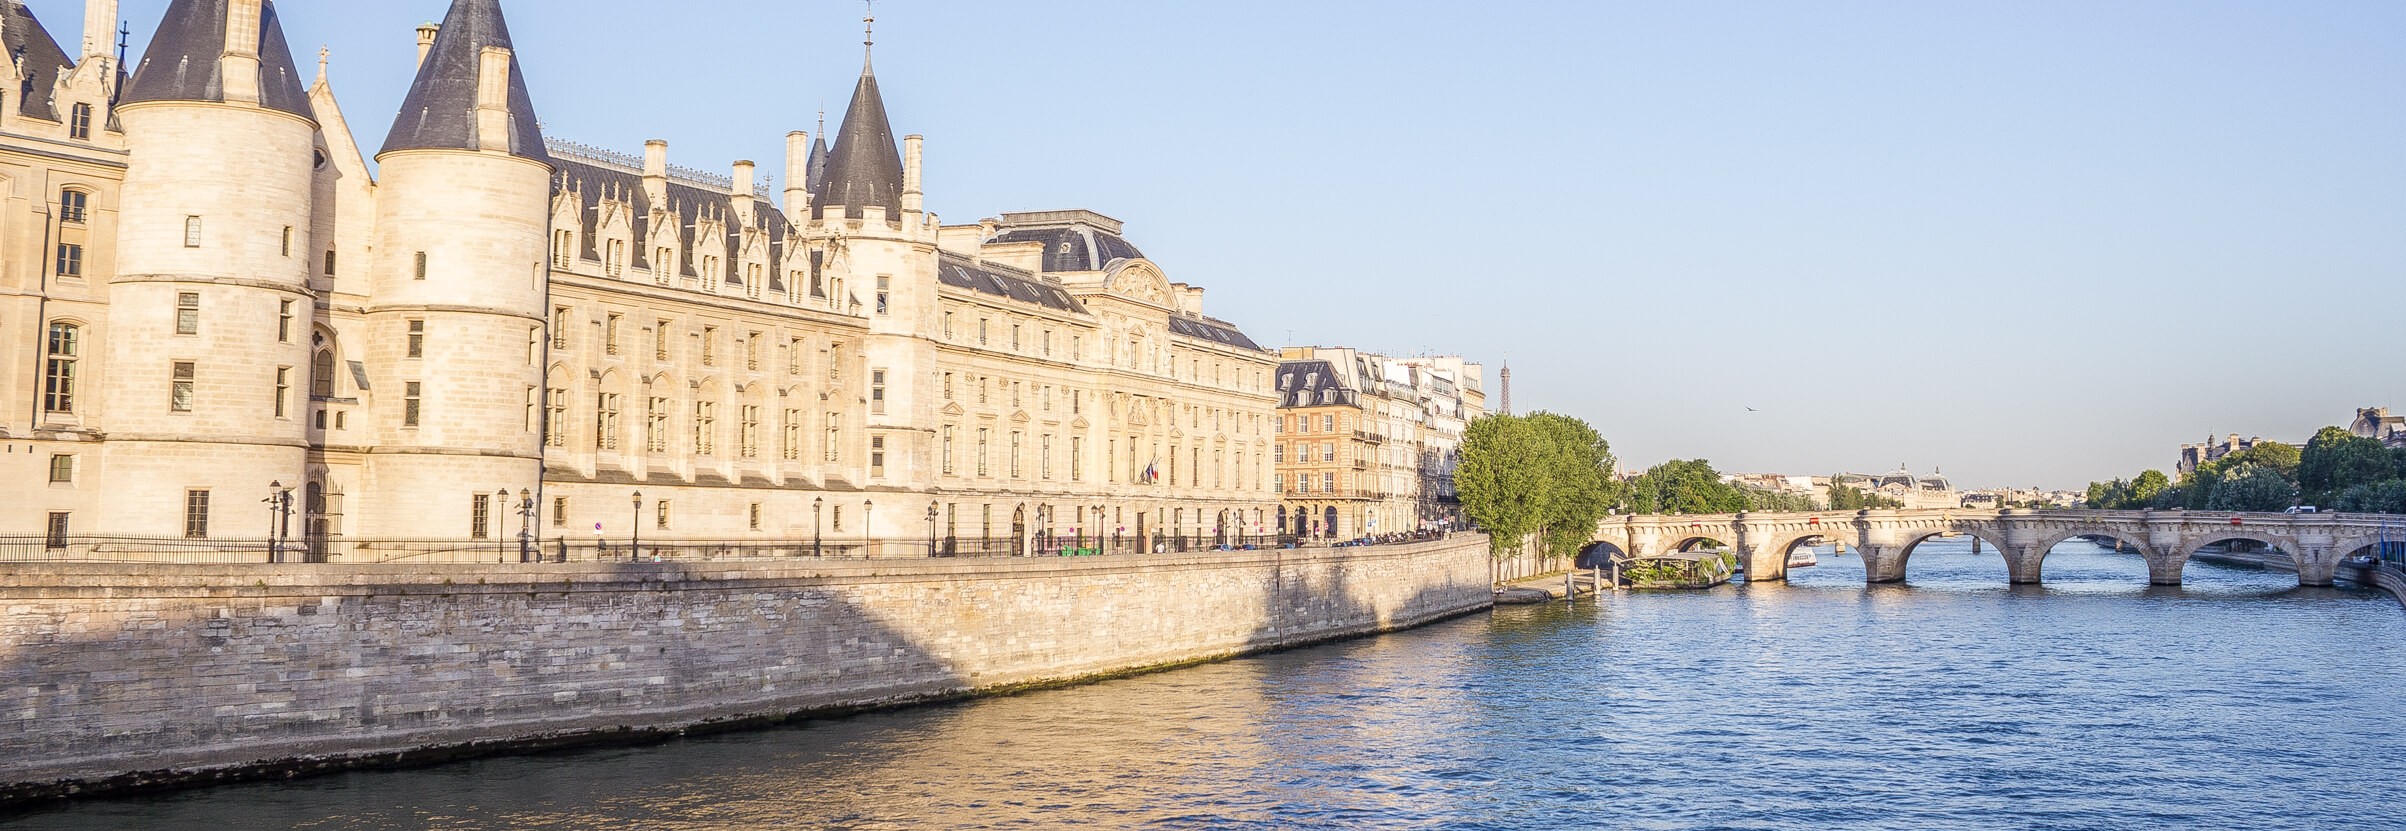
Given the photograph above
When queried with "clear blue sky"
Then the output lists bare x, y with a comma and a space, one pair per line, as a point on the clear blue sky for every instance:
2033, 242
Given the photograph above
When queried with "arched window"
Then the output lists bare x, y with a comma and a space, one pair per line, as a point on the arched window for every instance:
73, 205
321, 374
58, 371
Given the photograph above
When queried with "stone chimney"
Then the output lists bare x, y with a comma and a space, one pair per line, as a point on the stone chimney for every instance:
426, 33
797, 174
655, 173
744, 194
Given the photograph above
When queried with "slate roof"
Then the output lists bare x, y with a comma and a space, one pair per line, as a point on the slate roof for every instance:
23, 34
961, 273
1306, 384
1212, 330
183, 61
597, 181
818, 162
1074, 248
440, 112
865, 168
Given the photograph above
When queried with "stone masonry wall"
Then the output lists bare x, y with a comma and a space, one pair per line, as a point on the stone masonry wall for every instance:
107, 670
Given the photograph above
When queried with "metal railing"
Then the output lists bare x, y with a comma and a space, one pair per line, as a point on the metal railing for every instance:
90, 549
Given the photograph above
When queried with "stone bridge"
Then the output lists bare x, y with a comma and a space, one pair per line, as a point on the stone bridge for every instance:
1886, 538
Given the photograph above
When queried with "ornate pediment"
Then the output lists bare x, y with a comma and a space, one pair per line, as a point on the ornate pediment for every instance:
954, 409
1020, 417
1079, 423
1140, 282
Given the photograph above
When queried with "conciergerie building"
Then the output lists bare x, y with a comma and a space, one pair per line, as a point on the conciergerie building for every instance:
211, 303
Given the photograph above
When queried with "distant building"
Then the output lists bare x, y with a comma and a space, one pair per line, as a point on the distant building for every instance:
2193, 455
1367, 444
2377, 423
1916, 491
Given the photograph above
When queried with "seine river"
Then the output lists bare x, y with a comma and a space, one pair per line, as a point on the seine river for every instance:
2238, 701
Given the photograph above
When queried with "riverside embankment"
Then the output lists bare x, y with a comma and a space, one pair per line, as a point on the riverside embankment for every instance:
116, 677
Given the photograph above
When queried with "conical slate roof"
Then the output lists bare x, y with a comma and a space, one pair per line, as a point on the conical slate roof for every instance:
182, 63
865, 168
818, 163
440, 112
37, 55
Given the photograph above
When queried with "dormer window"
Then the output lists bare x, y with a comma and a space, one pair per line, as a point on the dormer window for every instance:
79, 125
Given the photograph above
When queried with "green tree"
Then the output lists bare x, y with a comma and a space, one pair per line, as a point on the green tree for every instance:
2337, 461
1689, 487
2252, 487
2374, 498
1580, 489
1844, 498
1502, 480
2146, 489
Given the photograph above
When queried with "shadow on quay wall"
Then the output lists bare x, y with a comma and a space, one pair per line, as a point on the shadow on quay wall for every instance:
279, 678
331, 673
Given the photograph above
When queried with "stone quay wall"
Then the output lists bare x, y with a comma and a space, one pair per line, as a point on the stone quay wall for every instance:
116, 677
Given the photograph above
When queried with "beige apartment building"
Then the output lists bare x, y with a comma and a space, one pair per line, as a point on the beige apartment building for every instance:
211, 305
1367, 445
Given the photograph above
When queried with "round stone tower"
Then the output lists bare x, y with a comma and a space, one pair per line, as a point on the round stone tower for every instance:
457, 327
207, 342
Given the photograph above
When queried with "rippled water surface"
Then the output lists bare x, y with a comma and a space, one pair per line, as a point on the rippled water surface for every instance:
2238, 701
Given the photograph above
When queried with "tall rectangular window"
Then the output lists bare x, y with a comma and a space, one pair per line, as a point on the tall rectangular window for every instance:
192, 232
79, 124
835, 362
288, 240
419, 266
1015, 455
793, 435
945, 450
187, 313
70, 260
1044, 457
709, 346
705, 428
410, 406
614, 262
57, 533
283, 389
179, 395
329, 262
660, 341
480, 516
58, 368
196, 514
655, 425
605, 427
752, 352
877, 457
1077, 471
62, 468
72, 205
610, 335
417, 339
749, 445
555, 424
983, 453
559, 328
793, 356
559, 512
663, 514
877, 391
835, 437
884, 284
284, 321
755, 509
562, 242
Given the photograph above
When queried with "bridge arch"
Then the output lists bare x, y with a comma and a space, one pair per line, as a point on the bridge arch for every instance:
2191, 546
1599, 554
1903, 552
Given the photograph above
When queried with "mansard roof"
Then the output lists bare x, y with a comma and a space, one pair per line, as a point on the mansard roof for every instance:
865, 168
440, 112
23, 34
962, 273
1212, 330
1074, 248
184, 61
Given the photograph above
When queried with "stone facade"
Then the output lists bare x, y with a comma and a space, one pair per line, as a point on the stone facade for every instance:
193, 668
496, 330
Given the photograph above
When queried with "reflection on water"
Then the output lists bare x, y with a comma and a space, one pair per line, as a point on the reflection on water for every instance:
1952, 701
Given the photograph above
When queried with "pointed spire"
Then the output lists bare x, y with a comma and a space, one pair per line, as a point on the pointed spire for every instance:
865, 168
185, 61
441, 112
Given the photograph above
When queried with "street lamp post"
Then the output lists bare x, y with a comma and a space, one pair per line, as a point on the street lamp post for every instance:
816, 525
635, 530
279, 510
866, 523
931, 530
501, 524
526, 527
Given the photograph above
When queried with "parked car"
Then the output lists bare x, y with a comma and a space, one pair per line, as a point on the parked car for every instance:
2304, 509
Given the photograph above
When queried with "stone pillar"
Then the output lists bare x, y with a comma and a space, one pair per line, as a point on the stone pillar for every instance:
2022, 562
1765, 562
2317, 563
2164, 569
1884, 563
